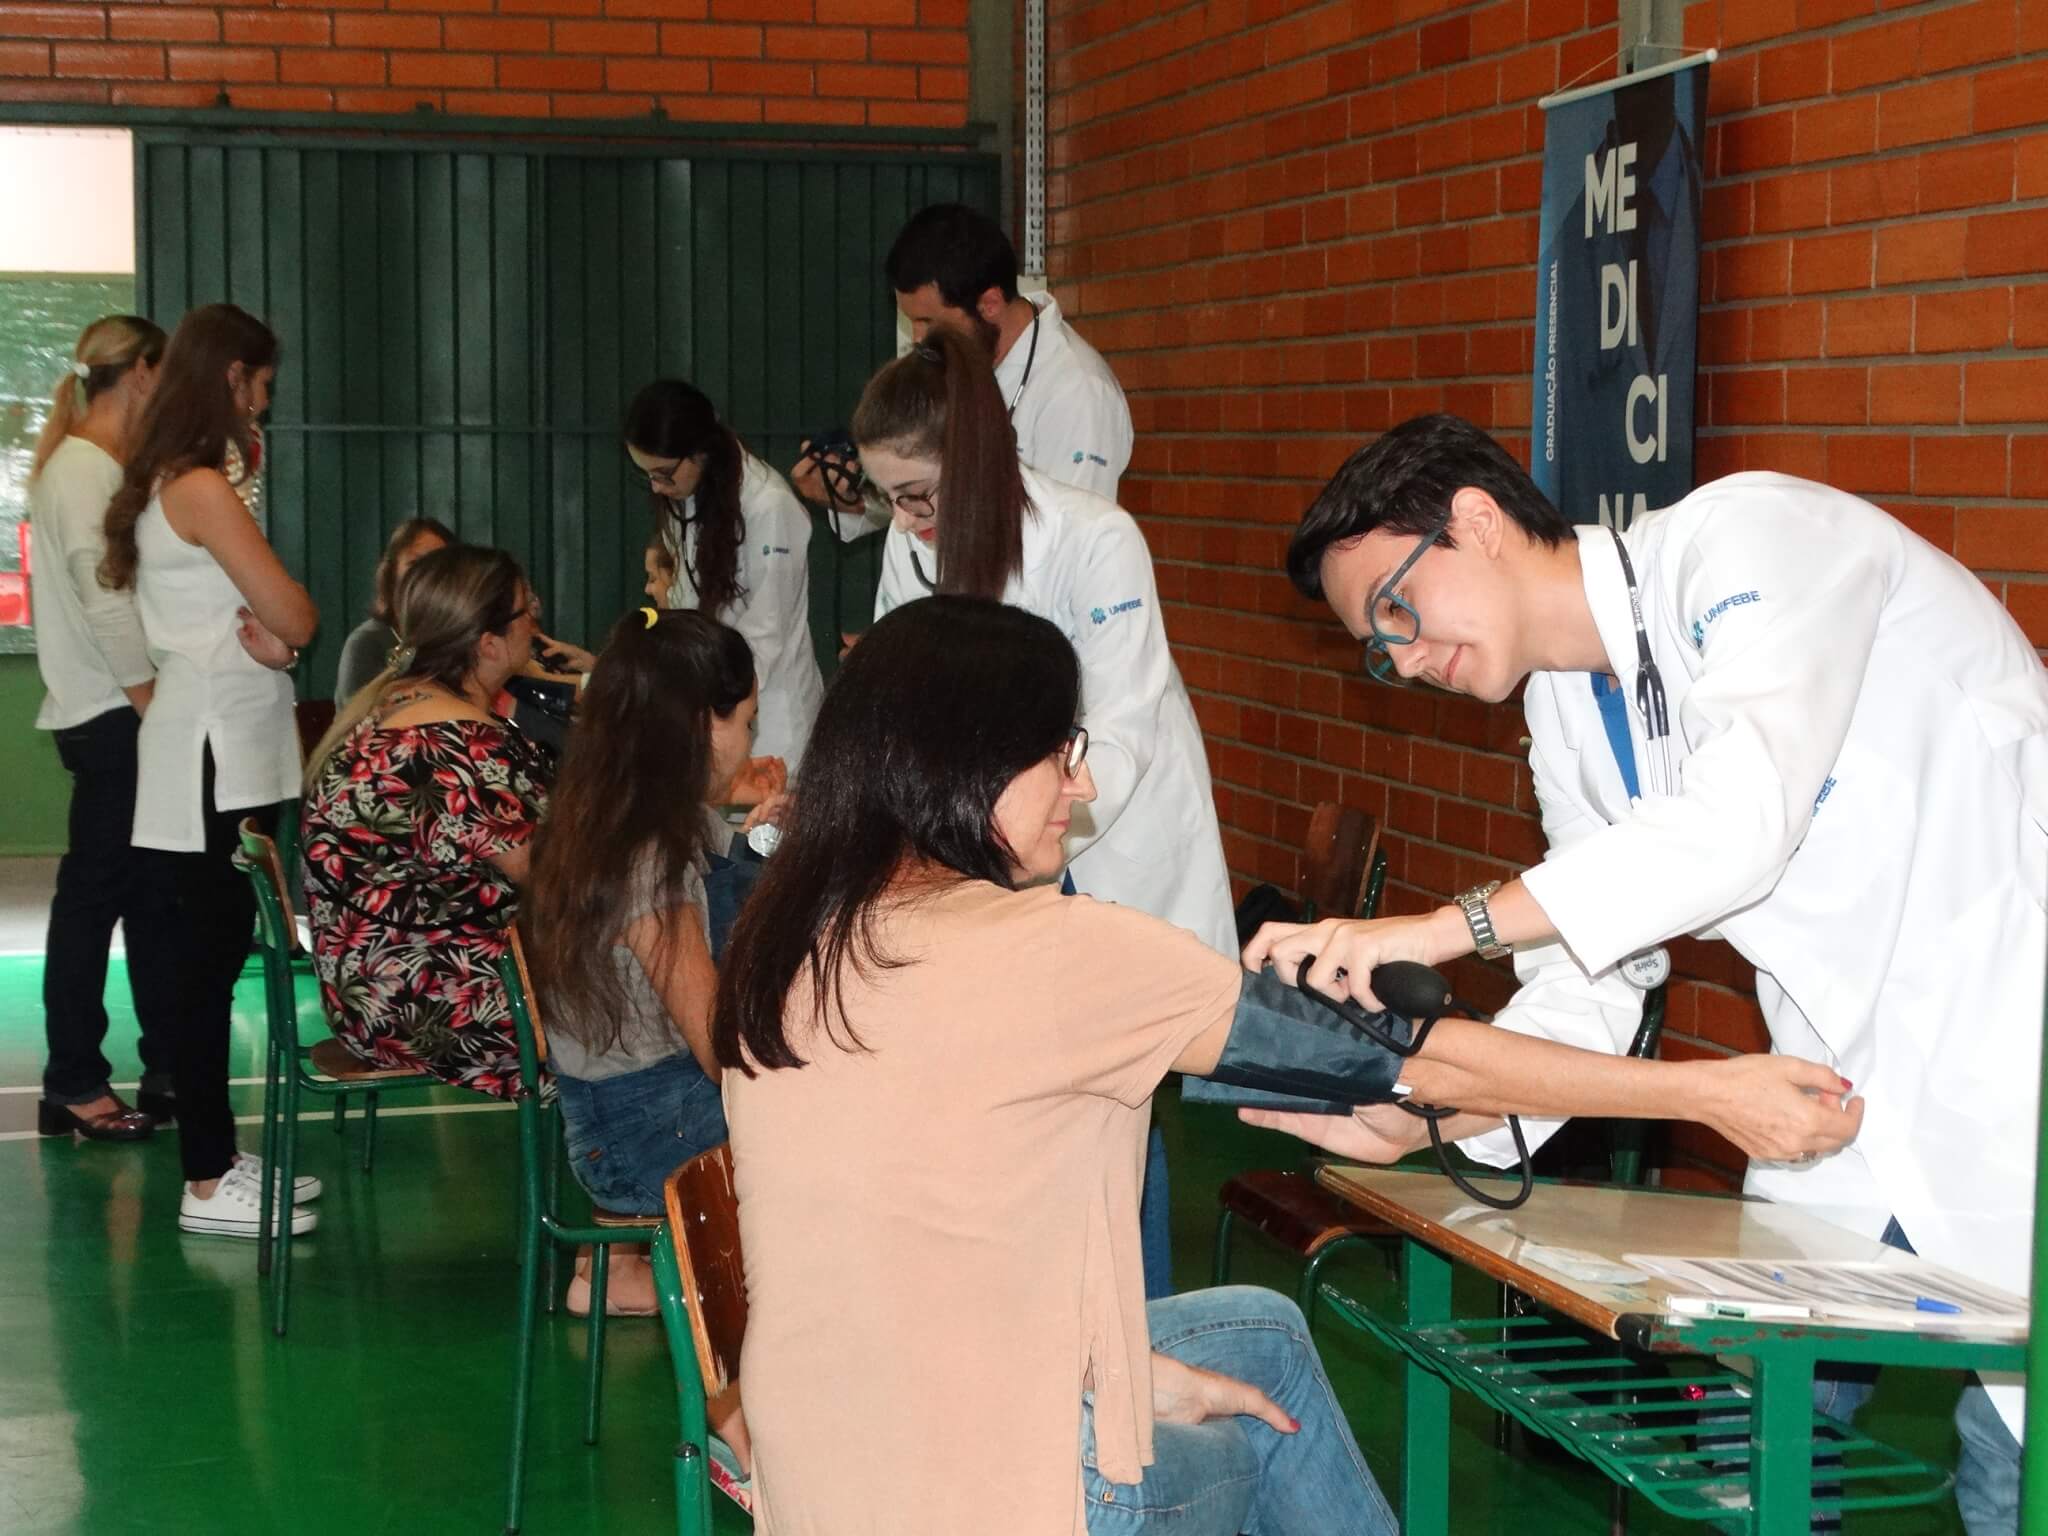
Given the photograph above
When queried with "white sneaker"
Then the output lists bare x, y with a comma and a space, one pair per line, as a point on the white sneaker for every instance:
234, 1209
304, 1186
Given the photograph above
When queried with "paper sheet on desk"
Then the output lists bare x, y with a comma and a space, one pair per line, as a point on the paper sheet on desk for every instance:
1905, 1294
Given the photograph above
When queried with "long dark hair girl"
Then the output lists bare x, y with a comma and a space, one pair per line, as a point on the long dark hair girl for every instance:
940, 706
106, 350
445, 605
632, 787
190, 422
940, 401
669, 419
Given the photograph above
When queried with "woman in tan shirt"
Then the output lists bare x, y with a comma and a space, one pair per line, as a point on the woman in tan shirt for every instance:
937, 1082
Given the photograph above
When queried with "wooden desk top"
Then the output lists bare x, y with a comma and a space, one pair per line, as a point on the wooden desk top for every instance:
1576, 1227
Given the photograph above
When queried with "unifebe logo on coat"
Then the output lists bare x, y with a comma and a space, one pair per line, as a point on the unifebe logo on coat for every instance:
1104, 615
1732, 600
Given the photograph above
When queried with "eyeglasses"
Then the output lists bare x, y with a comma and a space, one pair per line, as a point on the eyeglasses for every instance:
1075, 753
920, 505
1392, 617
663, 474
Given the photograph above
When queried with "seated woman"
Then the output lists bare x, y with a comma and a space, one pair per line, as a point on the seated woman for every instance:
369, 645
937, 1082
420, 806
618, 923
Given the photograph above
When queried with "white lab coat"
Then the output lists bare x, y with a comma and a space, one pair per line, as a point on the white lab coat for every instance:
773, 610
1149, 839
1073, 423
1857, 801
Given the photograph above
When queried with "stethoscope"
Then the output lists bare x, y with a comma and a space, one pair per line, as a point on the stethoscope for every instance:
1650, 700
929, 583
1418, 997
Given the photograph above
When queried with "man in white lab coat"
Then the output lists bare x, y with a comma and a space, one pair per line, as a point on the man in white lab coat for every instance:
951, 266
1769, 714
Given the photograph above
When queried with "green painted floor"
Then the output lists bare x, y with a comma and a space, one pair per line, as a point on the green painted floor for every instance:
140, 1390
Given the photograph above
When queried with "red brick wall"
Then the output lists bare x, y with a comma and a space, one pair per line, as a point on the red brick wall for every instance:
895, 63
1289, 226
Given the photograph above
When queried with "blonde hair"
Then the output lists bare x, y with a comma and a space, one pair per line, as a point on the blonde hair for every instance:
446, 604
106, 350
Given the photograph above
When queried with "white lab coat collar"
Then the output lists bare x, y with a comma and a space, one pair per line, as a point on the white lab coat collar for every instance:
1044, 519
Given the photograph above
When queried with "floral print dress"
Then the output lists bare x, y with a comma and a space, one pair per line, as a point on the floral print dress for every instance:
408, 912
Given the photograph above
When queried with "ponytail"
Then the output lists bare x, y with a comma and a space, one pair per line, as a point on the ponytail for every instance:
940, 401
106, 350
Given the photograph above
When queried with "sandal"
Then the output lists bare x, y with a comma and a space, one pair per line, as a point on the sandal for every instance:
117, 1124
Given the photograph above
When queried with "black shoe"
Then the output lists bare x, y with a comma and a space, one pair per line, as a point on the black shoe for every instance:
117, 1124
160, 1107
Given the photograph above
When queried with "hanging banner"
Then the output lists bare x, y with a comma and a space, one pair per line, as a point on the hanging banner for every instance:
1618, 293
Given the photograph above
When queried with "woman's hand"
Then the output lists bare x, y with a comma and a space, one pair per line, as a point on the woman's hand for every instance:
758, 779
808, 479
1187, 1394
1372, 1133
561, 656
1347, 950
768, 813
264, 648
1779, 1109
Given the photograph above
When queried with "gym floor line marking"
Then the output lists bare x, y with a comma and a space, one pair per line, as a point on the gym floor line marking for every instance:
233, 1082
382, 1114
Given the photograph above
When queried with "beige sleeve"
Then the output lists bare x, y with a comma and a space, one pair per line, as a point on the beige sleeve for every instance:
1130, 992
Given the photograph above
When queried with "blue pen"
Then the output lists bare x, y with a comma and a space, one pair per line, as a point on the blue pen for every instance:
1920, 1303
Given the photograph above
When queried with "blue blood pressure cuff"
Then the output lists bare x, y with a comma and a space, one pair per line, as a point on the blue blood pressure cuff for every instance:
1289, 1050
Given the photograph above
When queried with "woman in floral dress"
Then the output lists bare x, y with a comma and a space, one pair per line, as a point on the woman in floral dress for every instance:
420, 809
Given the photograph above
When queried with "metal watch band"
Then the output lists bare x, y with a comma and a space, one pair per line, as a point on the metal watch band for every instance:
1473, 903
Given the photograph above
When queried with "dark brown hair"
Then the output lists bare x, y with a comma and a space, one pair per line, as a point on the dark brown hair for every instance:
930, 717
189, 421
940, 400
384, 592
630, 796
672, 420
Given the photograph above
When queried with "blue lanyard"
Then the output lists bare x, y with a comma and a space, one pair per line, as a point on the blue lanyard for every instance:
1614, 715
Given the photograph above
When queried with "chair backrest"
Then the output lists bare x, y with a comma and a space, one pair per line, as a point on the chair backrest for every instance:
533, 1034
704, 1227
278, 931
265, 866
1341, 862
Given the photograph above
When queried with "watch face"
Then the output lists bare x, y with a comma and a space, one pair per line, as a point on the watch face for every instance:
1651, 968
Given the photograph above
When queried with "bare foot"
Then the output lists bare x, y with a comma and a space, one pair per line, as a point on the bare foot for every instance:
628, 1285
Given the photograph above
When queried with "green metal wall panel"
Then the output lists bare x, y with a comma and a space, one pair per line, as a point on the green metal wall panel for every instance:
463, 324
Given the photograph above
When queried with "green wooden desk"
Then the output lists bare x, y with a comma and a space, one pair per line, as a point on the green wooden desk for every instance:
1725, 1432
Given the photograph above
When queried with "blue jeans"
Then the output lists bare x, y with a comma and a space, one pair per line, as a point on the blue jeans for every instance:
627, 1134
1236, 1475
1987, 1471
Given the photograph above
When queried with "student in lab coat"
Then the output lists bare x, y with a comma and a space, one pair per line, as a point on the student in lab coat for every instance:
1772, 714
969, 517
742, 548
952, 268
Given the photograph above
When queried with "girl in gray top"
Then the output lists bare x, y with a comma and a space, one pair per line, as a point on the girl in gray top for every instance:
617, 922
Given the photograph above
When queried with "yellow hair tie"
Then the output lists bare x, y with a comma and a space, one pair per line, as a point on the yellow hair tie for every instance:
653, 616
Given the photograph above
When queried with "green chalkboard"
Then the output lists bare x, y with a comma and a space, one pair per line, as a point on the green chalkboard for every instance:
41, 315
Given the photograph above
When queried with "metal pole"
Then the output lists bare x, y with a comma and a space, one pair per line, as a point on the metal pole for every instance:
2034, 1475
1034, 136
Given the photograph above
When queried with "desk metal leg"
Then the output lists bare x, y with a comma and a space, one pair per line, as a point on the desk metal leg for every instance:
1781, 1445
1426, 1429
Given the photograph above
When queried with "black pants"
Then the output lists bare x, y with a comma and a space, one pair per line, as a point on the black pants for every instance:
211, 907
99, 883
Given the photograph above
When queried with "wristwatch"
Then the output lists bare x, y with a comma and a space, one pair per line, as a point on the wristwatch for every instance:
1480, 921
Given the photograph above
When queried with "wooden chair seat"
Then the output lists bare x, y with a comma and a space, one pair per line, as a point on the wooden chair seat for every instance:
1295, 1211
333, 1059
604, 1218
